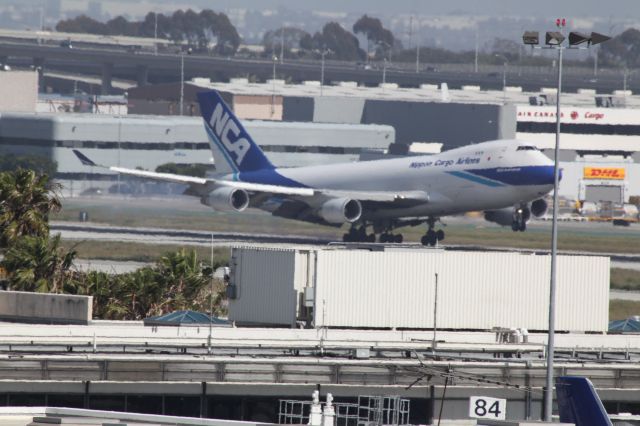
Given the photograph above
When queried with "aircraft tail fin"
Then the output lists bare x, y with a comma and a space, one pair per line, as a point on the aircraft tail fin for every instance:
579, 403
234, 151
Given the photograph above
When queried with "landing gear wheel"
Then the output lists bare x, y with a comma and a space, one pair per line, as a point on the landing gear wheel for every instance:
515, 227
346, 238
384, 238
398, 238
440, 235
522, 227
430, 238
371, 238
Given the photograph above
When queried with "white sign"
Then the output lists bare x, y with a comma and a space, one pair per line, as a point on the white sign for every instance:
484, 407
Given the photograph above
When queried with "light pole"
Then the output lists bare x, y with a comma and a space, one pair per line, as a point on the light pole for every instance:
322, 54
504, 76
282, 45
181, 82
384, 72
273, 87
553, 40
182, 78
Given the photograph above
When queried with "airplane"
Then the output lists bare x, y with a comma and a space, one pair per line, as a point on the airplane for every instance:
507, 179
578, 403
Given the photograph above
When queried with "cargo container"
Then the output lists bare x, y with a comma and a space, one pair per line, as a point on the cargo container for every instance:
396, 288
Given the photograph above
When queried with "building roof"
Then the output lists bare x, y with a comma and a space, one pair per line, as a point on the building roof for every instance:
427, 93
178, 318
23, 416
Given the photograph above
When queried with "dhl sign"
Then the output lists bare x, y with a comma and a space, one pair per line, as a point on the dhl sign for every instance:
616, 173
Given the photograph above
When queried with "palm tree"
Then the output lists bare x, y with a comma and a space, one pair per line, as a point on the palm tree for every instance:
38, 263
26, 200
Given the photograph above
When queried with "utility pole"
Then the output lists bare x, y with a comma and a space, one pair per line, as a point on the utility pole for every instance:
181, 82
155, 34
282, 44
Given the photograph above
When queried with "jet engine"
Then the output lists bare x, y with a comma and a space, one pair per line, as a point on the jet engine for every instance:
341, 210
502, 217
516, 217
539, 207
227, 199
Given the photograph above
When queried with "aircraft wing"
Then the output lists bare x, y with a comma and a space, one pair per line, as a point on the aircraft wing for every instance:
202, 184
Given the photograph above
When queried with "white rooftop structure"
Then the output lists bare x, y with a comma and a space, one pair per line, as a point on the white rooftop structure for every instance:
427, 93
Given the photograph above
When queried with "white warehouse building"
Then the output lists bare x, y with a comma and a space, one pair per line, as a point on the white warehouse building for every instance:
146, 142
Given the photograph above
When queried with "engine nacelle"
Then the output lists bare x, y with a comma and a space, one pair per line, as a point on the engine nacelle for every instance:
228, 199
341, 210
539, 207
502, 217
508, 215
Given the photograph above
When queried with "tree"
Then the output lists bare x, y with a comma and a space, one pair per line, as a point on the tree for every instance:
82, 24
199, 30
622, 50
272, 40
41, 165
342, 44
373, 30
38, 263
26, 200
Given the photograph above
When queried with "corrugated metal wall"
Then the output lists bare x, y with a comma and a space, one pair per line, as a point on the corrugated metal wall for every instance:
264, 281
19, 91
475, 291
332, 109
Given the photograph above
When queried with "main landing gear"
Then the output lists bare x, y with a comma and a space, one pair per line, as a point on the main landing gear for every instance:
432, 236
358, 234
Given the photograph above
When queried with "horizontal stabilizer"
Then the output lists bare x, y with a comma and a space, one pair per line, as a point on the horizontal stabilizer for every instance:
84, 159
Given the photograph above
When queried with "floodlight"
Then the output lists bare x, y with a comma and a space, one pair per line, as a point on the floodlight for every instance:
530, 37
554, 38
597, 38
576, 38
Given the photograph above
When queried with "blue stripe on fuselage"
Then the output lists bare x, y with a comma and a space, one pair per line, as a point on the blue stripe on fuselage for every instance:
474, 178
518, 176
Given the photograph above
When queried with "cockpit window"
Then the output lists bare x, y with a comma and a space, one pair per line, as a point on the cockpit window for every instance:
526, 148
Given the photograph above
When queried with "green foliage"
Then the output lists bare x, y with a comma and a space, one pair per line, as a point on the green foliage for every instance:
373, 30
622, 50
272, 40
42, 165
197, 170
26, 200
38, 263
341, 44
197, 29
178, 281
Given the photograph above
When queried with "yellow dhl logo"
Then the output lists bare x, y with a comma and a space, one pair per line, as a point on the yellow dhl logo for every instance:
604, 173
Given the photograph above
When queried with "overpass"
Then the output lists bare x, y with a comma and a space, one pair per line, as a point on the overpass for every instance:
143, 66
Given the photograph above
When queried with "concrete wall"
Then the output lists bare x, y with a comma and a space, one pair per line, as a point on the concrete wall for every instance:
19, 91
338, 110
448, 123
297, 108
45, 308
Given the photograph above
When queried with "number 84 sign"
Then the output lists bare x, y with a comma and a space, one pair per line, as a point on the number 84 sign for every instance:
484, 407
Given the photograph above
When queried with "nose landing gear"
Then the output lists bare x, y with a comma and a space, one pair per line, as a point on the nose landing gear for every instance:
520, 218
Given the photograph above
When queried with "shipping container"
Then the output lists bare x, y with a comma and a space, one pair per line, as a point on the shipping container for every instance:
416, 288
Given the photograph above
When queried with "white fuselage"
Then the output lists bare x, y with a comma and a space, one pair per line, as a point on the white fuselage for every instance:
484, 176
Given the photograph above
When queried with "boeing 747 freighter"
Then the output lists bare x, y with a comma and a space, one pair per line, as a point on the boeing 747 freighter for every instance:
507, 179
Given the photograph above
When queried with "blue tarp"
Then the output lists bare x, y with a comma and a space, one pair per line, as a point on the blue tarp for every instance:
629, 325
185, 318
